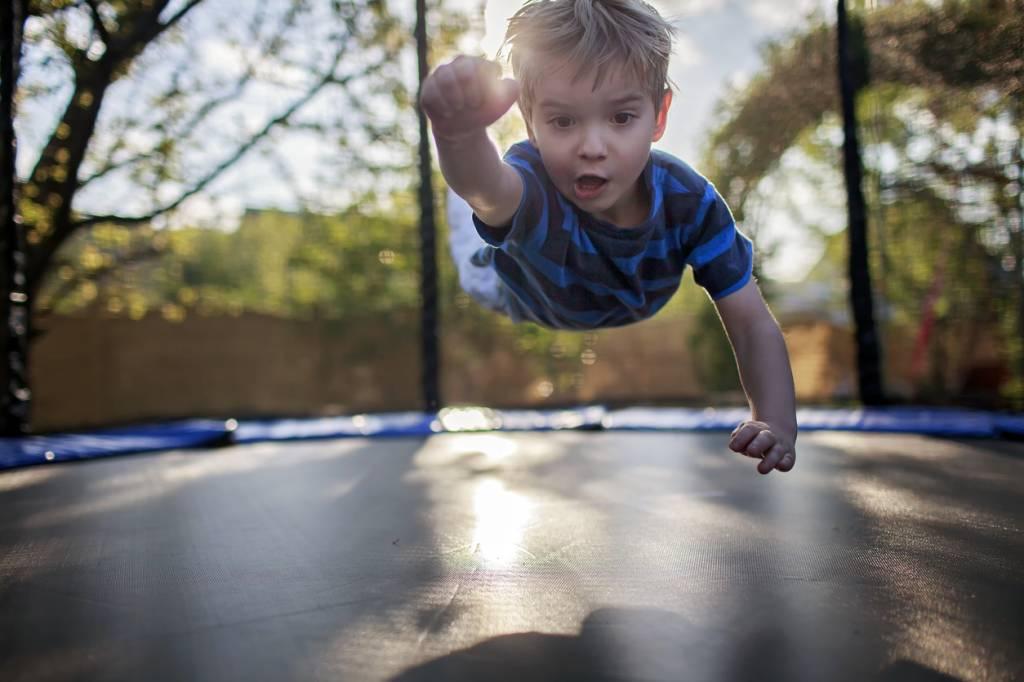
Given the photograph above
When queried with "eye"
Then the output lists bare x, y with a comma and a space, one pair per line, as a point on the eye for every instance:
622, 118
561, 122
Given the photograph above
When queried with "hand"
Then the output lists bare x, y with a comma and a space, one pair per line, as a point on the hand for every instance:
466, 95
774, 446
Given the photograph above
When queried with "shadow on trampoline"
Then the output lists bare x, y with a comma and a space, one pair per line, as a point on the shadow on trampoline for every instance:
908, 671
635, 644
879, 558
180, 564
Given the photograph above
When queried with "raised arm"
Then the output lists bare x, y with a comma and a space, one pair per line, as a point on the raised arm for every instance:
461, 99
763, 362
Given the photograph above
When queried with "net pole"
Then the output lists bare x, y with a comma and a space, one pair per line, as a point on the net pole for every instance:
869, 376
429, 315
16, 400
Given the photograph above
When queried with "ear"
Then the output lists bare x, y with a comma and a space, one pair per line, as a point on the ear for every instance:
662, 118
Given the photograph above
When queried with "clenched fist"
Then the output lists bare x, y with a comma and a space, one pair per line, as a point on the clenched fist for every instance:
466, 95
773, 445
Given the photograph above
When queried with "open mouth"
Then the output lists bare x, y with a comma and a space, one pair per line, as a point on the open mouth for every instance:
587, 186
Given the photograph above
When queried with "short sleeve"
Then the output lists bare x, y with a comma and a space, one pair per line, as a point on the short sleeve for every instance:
722, 257
532, 209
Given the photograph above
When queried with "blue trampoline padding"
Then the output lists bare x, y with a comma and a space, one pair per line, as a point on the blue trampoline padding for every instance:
1010, 425
552, 420
675, 419
926, 421
455, 419
389, 424
938, 422
199, 433
17, 452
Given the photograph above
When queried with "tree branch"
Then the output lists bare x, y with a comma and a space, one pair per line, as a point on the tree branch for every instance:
97, 21
49, 306
271, 46
160, 28
186, 130
146, 27
239, 153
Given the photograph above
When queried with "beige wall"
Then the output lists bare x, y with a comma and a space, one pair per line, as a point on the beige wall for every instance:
90, 371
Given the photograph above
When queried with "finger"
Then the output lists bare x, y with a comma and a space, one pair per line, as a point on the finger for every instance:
498, 99
743, 434
491, 69
762, 443
433, 104
469, 74
450, 89
507, 93
787, 462
771, 458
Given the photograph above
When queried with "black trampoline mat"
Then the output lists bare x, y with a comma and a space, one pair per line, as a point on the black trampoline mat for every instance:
527, 556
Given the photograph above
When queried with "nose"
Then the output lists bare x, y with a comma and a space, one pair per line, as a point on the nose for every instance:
592, 143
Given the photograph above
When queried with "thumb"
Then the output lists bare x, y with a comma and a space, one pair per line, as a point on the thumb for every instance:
500, 98
509, 89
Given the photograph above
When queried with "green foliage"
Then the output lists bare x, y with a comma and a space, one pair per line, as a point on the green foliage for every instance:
277, 263
941, 129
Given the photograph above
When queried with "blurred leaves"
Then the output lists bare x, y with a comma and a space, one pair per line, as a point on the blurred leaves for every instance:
298, 265
942, 124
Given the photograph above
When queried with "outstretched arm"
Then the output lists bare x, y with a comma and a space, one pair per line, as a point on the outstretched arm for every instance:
461, 99
763, 362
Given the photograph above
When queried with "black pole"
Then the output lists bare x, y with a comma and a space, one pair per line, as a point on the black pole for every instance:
869, 376
428, 230
1018, 242
16, 395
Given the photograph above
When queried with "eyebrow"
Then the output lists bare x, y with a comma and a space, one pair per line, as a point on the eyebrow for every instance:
552, 104
628, 99
618, 101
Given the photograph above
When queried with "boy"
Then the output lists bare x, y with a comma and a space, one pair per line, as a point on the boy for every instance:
583, 226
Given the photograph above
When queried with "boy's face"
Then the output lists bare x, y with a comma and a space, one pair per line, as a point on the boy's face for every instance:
595, 143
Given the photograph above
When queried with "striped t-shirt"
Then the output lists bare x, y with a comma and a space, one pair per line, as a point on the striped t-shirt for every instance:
567, 269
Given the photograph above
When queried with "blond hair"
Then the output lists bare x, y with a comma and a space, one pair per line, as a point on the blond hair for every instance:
592, 34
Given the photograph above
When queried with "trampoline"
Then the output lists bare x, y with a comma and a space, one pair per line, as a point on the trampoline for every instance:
560, 555
470, 544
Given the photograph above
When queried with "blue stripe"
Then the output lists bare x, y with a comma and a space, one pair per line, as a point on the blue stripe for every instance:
661, 177
656, 248
705, 203
564, 278
524, 298
565, 317
571, 224
743, 280
657, 197
658, 176
525, 148
734, 288
719, 244
589, 319
540, 234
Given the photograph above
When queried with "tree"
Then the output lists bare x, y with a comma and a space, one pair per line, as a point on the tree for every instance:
140, 115
942, 127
